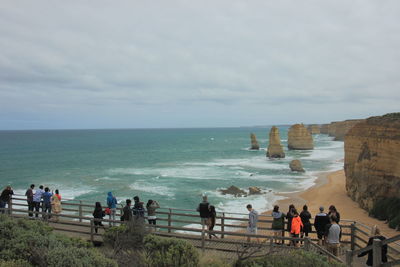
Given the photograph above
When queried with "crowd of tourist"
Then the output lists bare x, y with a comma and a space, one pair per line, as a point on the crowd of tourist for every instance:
298, 225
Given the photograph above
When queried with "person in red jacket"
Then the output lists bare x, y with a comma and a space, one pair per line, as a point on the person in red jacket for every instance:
297, 225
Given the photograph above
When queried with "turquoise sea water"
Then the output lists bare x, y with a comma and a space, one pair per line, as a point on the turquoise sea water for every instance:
173, 166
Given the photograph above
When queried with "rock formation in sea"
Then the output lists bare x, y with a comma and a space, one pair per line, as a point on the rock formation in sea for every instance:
372, 159
233, 190
296, 166
299, 138
275, 149
324, 129
314, 128
254, 143
254, 190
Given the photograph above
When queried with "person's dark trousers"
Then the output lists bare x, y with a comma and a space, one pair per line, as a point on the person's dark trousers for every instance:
37, 208
2, 206
31, 206
47, 210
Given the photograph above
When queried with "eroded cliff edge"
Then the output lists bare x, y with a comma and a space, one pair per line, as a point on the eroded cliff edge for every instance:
372, 159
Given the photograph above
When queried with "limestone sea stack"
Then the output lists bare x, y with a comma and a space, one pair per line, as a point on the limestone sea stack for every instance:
275, 149
324, 129
254, 143
314, 129
372, 159
295, 166
299, 138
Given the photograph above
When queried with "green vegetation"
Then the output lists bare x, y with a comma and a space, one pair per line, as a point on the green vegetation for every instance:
24, 243
298, 258
387, 209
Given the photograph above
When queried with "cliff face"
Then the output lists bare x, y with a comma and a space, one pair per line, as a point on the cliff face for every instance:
372, 159
299, 138
313, 129
275, 149
342, 127
324, 129
254, 143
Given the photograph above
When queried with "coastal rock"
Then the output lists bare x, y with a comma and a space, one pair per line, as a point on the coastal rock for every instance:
295, 166
254, 143
324, 129
314, 129
254, 190
233, 190
299, 138
338, 129
275, 149
372, 157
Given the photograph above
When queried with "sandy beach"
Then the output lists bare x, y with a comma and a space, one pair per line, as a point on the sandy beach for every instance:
330, 190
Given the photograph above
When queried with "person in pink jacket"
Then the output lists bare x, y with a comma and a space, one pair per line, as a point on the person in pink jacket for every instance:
297, 225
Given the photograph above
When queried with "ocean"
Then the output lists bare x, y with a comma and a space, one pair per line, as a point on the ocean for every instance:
173, 166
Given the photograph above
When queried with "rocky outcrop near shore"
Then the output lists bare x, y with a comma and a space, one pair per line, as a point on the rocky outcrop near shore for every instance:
233, 190
275, 149
295, 166
254, 190
338, 129
299, 138
314, 129
372, 159
254, 142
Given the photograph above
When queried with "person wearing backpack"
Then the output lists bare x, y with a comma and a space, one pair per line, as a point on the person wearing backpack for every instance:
112, 205
98, 215
278, 224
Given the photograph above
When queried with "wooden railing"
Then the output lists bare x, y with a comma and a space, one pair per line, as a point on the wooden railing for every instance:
183, 223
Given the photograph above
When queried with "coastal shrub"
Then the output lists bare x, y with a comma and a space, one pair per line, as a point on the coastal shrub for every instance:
298, 258
14, 263
126, 236
165, 252
34, 242
387, 209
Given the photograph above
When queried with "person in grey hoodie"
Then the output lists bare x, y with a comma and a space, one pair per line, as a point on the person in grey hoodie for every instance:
278, 224
253, 219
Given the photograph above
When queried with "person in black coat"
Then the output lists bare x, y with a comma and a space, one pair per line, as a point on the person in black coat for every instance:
305, 216
320, 222
375, 234
98, 215
204, 210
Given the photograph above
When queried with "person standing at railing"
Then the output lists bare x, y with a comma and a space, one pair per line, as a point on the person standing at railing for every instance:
112, 205
138, 210
289, 216
253, 219
295, 229
47, 203
375, 234
98, 215
56, 205
278, 224
320, 222
204, 210
29, 199
334, 212
305, 216
333, 233
5, 197
37, 199
151, 207
126, 211
211, 223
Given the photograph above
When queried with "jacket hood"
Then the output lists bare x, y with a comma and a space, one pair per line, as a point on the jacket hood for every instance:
109, 194
276, 215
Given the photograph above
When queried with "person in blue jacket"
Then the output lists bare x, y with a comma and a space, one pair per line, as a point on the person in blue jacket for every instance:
112, 205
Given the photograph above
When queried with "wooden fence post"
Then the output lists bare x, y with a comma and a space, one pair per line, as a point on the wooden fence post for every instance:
80, 210
377, 252
169, 220
349, 257
91, 230
203, 238
307, 244
353, 236
10, 206
223, 225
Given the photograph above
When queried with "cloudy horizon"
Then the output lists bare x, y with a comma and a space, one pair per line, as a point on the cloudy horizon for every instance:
174, 64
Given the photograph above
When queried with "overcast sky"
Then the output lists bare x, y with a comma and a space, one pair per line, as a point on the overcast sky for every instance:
141, 64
